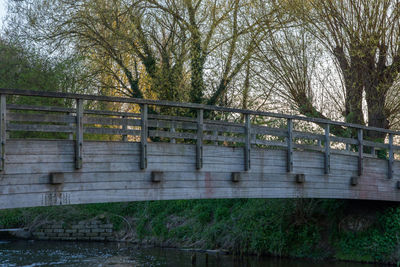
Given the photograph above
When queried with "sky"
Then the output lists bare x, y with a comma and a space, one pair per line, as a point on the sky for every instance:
3, 10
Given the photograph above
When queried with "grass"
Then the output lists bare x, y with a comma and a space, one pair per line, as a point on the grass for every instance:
306, 228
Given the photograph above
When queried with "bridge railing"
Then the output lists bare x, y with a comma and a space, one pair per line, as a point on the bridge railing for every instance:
191, 123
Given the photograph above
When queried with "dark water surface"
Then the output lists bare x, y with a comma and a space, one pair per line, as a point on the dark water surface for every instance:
44, 253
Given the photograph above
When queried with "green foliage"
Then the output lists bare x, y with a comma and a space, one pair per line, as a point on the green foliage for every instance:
22, 68
379, 242
284, 227
11, 218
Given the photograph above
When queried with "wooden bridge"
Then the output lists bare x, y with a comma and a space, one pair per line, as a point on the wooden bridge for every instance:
168, 150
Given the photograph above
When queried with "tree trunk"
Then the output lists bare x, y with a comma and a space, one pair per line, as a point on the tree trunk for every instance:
352, 75
196, 94
376, 111
196, 57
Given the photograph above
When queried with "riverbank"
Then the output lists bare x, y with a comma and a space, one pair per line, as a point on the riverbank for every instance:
88, 254
302, 228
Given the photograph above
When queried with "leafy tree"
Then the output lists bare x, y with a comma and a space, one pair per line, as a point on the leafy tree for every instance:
166, 47
23, 69
363, 37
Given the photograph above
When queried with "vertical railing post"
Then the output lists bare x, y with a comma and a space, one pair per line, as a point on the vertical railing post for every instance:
289, 145
172, 130
360, 152
3, 133
143, 136
215, 135
71, 134
247, 148
327, 150
319, 143
199, 144
79, 134
391, 157
124, 128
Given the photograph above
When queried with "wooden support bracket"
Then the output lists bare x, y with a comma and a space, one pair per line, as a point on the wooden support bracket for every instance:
300, 178
143, 136
354, 180
157, 176
236, 177
199, 144
56, 178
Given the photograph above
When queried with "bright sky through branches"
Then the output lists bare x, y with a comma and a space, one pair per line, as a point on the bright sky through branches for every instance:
3, 10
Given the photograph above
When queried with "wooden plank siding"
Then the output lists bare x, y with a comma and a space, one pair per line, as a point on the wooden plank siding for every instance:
111, 172
194, 154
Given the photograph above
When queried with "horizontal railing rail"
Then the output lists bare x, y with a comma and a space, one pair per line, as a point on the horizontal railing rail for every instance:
189, 106
143, 127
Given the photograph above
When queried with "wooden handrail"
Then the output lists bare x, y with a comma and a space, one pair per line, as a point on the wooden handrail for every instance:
189, 106
231, 132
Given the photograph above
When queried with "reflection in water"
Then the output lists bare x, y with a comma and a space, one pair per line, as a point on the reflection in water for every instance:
43, 253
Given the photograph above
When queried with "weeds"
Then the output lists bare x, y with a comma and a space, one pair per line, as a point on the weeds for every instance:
298, 227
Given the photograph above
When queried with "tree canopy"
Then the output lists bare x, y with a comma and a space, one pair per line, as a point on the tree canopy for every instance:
326, 58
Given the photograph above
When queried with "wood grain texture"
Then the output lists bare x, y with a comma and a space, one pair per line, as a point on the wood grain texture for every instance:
199, 139
99, 171
111, 121
247, 147
111, 172
40, 128
171, 104
177, 127
143, 136
327, 149
79, 134
23, 117
391, 157
289, 160
3, 134
112, 131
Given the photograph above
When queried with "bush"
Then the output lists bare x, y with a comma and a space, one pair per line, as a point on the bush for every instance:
283, 227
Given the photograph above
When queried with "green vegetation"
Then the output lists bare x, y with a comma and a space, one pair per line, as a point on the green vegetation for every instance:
25, 68
316, 58
308, 228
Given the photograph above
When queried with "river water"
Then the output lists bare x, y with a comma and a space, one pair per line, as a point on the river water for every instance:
44, 253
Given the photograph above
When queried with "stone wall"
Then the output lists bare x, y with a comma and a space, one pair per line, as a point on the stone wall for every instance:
85, 230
